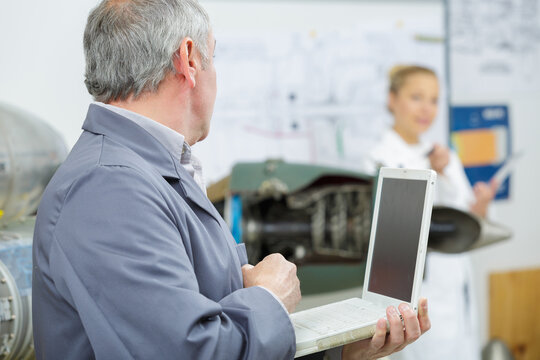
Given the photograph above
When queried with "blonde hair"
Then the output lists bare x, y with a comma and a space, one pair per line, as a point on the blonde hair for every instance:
398, 75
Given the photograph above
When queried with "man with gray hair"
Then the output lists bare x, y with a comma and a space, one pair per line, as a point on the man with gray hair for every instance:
131, 260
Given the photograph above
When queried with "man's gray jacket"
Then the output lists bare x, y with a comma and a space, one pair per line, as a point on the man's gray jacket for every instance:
132, 261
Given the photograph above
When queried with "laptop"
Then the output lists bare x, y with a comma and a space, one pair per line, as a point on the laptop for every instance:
394, 269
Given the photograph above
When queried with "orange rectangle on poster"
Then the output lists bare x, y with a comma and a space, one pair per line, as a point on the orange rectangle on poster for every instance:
476, 147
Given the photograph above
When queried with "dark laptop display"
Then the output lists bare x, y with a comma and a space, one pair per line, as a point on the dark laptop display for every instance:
396, 243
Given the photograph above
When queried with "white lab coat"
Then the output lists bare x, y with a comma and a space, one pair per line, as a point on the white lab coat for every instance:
448, 279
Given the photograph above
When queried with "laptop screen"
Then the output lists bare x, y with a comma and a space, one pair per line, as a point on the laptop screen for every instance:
397, 238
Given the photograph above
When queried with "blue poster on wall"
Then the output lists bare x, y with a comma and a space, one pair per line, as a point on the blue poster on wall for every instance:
481, 137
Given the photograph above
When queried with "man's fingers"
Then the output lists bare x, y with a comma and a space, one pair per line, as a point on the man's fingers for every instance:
278, 276
378, 340
396, 337
423, 318
412, 326
274, 257
246, 268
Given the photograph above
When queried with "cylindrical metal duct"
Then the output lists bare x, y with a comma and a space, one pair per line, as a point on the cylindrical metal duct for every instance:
30, 152
455, 231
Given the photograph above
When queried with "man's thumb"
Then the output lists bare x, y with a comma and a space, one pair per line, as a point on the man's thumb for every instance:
246, 268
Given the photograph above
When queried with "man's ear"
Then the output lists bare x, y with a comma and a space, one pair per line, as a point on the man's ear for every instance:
185, 61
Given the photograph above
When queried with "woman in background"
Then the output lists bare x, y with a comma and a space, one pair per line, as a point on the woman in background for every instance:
413, 102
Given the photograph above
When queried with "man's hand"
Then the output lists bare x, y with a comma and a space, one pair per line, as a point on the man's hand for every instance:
277, 275
382, 344
439, 157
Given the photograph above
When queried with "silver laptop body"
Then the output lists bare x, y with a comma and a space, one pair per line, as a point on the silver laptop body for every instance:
394, 269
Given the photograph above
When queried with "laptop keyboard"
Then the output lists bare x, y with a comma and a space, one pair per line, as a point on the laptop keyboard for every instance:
336, 316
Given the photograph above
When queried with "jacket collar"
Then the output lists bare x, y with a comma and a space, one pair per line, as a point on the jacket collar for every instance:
189, 190
100, 120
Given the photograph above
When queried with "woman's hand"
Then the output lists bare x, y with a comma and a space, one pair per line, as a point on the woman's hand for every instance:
484, 194
439, 157
401, 334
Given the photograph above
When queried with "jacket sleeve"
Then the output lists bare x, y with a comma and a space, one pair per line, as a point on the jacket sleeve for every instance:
118, 259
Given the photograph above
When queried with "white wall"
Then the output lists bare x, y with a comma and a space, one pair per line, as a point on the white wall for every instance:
41, 55
521, 212
519, 88
305, 14
42, 65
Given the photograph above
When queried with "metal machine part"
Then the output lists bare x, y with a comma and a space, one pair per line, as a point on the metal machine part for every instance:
317, 214
30, 152
454, 231
16, 340
496, 349
311, 214
326, 223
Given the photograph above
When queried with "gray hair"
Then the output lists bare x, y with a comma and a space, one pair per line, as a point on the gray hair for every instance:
130, 45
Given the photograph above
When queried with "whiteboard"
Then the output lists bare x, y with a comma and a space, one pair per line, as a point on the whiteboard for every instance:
314, 92
494, 46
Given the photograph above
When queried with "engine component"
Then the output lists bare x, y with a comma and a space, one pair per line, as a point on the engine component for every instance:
325, 222
30, 152
314, 214
16, 340
308, 213
454, 231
